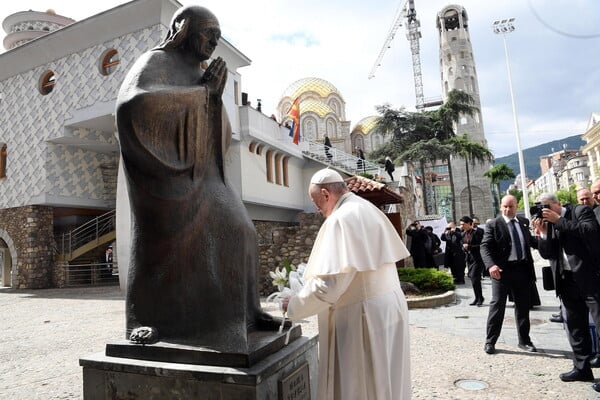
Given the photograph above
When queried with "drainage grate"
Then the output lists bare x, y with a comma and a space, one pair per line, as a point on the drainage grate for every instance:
471, 384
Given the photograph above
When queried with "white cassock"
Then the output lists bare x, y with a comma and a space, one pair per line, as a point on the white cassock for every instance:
352, 284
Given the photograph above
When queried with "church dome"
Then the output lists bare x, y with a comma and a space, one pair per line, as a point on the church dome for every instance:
366, 125
319, 86
318, 107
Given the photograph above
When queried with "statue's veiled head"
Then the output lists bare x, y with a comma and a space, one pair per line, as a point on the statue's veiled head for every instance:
194, 30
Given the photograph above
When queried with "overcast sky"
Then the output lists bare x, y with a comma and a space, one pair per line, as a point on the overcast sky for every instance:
553, 56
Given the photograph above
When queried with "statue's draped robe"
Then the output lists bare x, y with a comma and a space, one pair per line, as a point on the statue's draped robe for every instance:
194, 247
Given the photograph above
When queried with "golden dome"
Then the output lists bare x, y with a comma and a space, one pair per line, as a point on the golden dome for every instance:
366, 125
320, 86
318, 107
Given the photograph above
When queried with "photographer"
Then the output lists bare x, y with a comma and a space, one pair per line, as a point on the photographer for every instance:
454, 256
569, 238
418, 241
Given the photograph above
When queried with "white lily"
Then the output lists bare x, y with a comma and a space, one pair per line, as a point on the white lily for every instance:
279, 278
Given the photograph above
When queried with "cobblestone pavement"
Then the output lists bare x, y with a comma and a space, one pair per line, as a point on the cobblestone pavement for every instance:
44, 332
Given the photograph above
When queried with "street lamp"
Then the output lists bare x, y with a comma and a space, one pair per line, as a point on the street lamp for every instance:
503, 27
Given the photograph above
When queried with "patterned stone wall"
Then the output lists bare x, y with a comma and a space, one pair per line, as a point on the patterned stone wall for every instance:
29, 120
35, 26
67, 178
31, 230
280, 241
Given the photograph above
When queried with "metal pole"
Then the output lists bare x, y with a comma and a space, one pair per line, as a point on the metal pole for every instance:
506, 26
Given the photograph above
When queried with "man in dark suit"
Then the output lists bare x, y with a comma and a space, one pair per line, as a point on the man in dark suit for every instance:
471, 240
569, 238
418, 237
506, 253
454, 257
595, 189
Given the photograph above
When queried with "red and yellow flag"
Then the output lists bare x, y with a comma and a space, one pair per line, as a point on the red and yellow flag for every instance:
294, 115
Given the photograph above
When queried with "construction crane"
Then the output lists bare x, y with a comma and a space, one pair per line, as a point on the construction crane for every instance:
406, 14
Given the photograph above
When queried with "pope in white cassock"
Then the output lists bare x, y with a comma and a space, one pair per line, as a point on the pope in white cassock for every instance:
352, 284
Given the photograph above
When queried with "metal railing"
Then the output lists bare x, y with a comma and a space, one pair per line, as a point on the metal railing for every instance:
340, 159
96, 274
86, 233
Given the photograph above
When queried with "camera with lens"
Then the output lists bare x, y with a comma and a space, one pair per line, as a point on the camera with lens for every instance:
536, 210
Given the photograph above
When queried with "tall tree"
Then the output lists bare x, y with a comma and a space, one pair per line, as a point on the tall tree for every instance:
408, 128
425, 152
472, 152
457, 105
497, 174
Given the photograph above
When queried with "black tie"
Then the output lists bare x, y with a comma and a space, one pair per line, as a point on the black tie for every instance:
517, 240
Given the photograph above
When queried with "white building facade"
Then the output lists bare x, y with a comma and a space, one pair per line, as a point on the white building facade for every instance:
59, 152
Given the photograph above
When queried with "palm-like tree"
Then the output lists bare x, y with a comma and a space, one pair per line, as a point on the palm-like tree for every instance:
497, 174
472, 152
432, 128
457, 104
424, 152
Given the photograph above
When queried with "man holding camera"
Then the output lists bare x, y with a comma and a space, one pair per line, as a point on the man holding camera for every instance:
418, 239
454, 257
569, 237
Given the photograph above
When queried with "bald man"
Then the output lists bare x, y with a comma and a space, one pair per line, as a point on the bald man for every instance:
506, 253
595, 190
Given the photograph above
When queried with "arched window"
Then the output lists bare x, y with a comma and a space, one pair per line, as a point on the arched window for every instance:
331, 131
47, 82
3, 154
109, 61
269, 165
459, 84
284, 167
278, 169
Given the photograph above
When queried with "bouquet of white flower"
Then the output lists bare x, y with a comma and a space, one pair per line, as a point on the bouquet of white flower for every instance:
287, 275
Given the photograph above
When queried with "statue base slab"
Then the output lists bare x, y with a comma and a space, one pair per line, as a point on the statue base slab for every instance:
284, 374
260, 345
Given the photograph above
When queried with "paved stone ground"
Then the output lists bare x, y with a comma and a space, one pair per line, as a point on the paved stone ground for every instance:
44, 332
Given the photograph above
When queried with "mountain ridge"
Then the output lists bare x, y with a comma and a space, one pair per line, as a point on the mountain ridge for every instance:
531, 157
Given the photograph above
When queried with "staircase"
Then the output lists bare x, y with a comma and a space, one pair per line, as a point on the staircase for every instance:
86, 237
339, 160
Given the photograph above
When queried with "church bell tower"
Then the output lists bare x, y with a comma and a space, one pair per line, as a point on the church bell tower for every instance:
458, 71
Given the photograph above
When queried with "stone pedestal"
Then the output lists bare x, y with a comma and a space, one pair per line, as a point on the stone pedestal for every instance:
289, 373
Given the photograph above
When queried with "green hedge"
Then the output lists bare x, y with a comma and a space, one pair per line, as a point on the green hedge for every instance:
427, 279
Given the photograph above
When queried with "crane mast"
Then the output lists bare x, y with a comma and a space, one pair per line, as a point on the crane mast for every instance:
397, 23
406, 14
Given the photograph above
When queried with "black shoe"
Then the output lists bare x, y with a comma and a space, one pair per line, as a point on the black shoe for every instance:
480, 302
489, 348
528, 347
596, 387
556, 318
595, 361
474, 303
459, 282
577, 375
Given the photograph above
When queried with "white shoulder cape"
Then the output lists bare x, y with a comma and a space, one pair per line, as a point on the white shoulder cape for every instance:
356, 236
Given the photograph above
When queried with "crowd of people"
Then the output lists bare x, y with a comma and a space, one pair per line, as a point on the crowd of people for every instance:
340, 282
